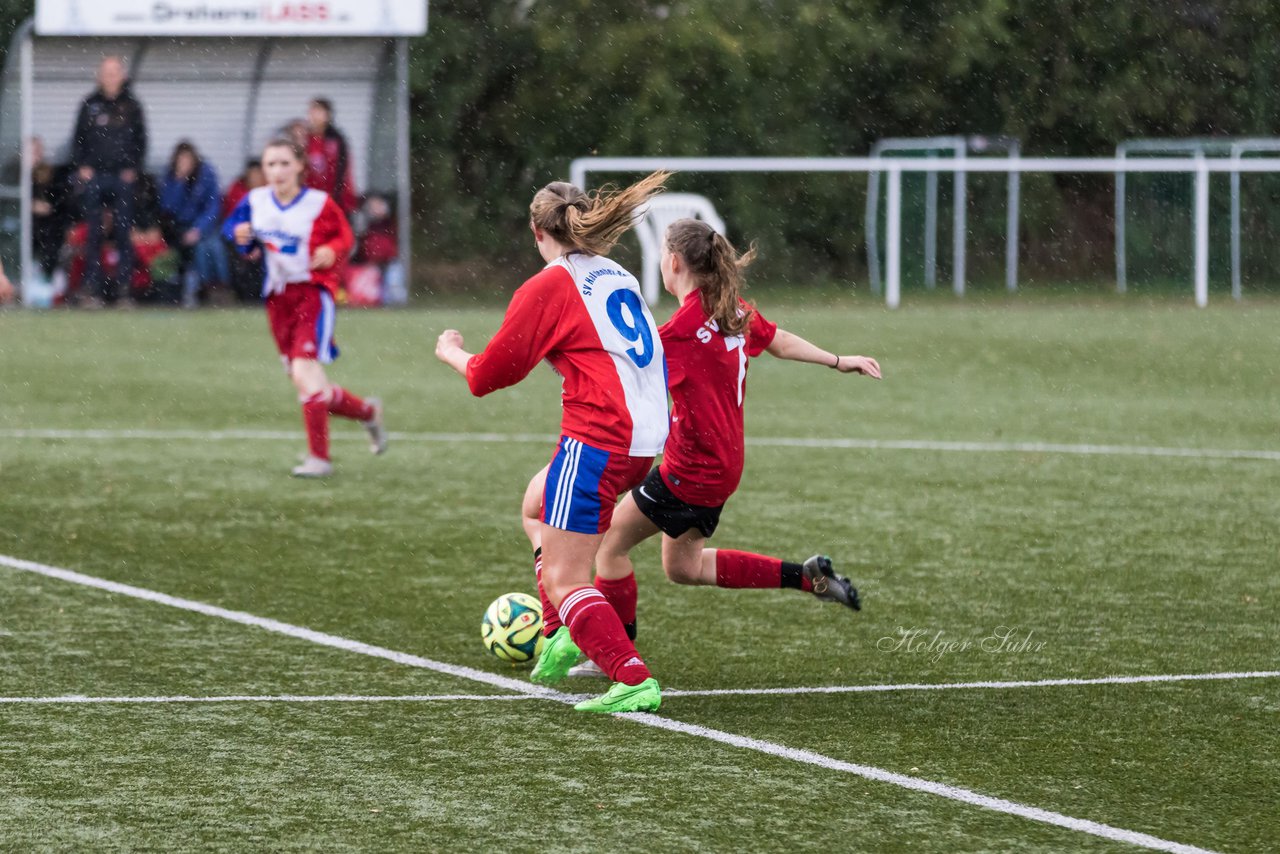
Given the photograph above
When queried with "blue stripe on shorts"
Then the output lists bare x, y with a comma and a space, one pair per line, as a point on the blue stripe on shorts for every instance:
326, 350
571, 498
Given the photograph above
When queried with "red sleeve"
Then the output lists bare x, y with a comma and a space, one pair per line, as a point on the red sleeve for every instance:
235, 193
331, 229
760, 333
529, 331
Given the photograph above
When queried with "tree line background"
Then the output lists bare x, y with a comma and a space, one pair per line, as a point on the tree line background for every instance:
505, 93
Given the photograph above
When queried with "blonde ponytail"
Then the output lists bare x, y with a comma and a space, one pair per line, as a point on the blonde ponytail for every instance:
591, 222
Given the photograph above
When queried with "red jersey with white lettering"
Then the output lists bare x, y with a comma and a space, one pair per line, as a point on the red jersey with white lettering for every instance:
707, 374
290, 234
585, 316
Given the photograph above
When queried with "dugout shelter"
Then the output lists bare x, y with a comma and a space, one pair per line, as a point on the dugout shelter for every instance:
225, 74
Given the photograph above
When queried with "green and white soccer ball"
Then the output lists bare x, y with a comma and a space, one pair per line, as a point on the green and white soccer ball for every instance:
512, 628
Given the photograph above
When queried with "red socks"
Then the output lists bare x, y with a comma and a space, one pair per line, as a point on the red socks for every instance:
621, 594
345, 404
550, 616
315, 415
744, 569
596, 629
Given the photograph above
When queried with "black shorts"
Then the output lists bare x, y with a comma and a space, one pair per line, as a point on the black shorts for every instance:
669, 513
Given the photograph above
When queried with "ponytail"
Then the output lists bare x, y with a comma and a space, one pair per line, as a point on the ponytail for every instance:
591, 222
717, 267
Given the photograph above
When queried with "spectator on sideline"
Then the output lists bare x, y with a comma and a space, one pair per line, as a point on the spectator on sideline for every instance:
246, 270
151, 255
378, 251
190, 204
49, 208
6, 287
298, 131
328, 158
247, 180
109, 147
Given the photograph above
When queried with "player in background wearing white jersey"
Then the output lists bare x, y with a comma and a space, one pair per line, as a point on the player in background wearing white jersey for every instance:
306, 239
584, 314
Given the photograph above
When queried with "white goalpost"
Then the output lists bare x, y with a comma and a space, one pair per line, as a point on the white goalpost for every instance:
958, 147
1199, 167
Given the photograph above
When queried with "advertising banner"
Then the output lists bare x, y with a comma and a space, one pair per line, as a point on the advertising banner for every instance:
231, 17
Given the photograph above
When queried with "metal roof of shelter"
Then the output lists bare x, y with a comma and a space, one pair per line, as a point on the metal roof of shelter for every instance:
227, 93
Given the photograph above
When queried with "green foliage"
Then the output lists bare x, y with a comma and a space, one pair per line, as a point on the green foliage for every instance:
506, 93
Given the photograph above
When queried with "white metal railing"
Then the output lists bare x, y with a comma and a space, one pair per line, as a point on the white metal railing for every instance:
1239, 148
651, 223
934, 147
1200, 167
1190, 147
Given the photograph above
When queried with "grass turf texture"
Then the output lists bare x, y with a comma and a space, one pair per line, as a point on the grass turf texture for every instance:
1112, 564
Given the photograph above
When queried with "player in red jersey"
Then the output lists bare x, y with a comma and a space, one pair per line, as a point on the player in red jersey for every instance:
583, 314
306, 238
708, 342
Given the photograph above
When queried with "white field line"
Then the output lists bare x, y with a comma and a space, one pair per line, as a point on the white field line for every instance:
955, 793
916, 784
72, 699
517, 685
79, 700
764, 442
944, 686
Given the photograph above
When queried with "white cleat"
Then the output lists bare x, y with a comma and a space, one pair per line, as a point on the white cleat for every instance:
377, 432
313, 467
587, 668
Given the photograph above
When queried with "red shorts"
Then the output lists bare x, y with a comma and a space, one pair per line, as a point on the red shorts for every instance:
301, 319
583, 485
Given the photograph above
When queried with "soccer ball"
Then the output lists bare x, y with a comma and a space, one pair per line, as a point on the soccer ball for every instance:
512, 628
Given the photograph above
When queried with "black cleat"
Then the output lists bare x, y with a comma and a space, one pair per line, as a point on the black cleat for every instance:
829, 586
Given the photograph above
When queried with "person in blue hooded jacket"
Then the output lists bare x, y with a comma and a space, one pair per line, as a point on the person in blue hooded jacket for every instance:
191, 205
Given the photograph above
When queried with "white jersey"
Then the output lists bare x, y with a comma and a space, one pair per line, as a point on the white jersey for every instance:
291, 233
584, 314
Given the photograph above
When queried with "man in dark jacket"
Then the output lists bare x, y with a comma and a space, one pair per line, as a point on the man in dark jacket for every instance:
108, 151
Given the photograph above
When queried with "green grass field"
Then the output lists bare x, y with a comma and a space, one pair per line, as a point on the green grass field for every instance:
152, 449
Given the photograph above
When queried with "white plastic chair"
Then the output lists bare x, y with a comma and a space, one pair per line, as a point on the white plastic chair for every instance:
651, 226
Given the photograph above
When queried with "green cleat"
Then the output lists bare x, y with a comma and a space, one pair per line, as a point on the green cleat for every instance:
559, 653
645, 697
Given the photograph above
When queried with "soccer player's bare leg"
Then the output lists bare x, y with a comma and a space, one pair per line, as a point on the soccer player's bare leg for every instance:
686, 561
628, 529
531, 522
615, 574
531, 508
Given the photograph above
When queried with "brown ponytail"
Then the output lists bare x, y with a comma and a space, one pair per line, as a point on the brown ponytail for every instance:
717, 267
591, 222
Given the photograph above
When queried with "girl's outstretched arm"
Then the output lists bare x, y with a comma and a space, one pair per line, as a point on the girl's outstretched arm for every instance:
786, 345
449, 350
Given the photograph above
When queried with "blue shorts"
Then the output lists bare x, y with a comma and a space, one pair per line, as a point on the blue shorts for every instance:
583, 485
